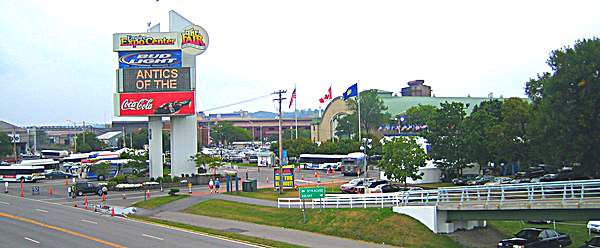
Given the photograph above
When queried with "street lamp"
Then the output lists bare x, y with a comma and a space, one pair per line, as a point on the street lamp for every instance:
366, 143
75, 129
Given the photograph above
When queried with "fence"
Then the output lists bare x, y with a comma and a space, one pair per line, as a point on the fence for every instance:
579, 191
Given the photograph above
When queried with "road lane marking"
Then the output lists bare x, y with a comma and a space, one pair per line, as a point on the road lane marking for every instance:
89, 222
32, 240
41, 210
150, 236
60, 229
5, 203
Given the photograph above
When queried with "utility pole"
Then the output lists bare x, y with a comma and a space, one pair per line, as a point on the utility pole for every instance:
279, 98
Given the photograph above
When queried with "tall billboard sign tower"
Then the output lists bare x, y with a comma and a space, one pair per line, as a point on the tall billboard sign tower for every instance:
157, 78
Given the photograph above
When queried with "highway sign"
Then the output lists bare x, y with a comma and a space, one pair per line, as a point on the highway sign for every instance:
312, 193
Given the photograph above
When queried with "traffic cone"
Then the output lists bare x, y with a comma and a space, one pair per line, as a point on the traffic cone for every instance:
113, 211
124, 196
315, 173
302, 177
333, 170
50, 190
298, 168
327, 172
75, 204
103, 197
21, 184
21, 193
148, 193
85, 207
267, 182
86, 199
66, 181
258, 169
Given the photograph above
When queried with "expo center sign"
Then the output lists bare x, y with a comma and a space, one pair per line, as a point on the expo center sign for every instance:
192, 40
312, 193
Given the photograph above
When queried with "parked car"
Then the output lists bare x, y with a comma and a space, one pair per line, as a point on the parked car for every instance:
537, 237
594, 242
481, 180
521, 180
499, 180
386, 188
350, 187
533, 171
462, 180
370, 185
57, 174
82, 188
594, 226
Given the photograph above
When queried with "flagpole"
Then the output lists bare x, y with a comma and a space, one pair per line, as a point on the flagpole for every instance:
296, 111
358, 98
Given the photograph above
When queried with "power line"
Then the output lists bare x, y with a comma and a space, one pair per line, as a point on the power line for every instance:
232, 104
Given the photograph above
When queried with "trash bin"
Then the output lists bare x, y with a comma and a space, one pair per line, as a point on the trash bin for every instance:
253, 185
246, 186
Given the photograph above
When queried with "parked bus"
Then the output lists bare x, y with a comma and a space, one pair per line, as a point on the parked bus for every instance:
91, 170
54, 154
354, 163
320, 161
48, 164
21, 173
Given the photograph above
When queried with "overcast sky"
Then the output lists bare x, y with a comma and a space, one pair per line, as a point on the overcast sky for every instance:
57, 63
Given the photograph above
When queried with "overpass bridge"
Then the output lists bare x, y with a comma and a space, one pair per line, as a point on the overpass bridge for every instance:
447, 209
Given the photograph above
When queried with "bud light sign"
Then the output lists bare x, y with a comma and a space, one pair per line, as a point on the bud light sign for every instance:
150, 59
155, 104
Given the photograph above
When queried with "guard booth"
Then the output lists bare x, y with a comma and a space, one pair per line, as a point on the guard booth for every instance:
266, 158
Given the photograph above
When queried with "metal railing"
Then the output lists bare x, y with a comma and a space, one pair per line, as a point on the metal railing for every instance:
579, 191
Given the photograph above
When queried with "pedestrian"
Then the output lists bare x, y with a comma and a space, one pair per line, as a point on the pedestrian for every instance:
70, 192
217, 185
210, 185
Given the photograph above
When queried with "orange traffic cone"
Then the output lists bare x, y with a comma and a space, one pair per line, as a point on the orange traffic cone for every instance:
66, 181
113, 211
302, 177
124, 196
50, 190
75, 204
242, 180
85, 207
103, 197
21, 193
267, 181
327, 172
86, 199
298, 168
148, 193
333, 170
21, 184
258, 169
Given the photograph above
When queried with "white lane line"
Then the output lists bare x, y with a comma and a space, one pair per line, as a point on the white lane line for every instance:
150, 236
41, 210
89, 222
5, 203
32, 240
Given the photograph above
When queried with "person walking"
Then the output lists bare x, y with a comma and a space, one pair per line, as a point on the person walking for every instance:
210, 185
217, 185
69, 190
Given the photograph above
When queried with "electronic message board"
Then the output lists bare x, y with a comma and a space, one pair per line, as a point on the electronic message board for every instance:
154, 79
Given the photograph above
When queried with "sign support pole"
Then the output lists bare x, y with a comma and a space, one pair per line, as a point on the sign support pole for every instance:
303, 213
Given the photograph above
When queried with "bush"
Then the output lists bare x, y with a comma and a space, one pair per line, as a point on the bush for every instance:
176, 179
111, 183
173, 191
118, 179
159, 179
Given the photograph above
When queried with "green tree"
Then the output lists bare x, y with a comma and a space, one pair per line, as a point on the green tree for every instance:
87, 142
226, 133
402, 159
566, 113
446, 137
418, 115
136, 161
6, 147
206, 161
373, 112
346, 126
477, 129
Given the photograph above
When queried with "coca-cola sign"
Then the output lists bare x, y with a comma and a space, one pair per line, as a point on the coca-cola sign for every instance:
159, 103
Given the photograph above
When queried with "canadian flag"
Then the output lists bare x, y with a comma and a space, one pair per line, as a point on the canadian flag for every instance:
327, 96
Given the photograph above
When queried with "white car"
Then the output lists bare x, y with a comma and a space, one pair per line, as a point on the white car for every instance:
594, 226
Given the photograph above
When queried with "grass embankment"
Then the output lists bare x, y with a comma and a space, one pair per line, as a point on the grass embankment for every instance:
372, 225
218, 233
155, 202
576, 229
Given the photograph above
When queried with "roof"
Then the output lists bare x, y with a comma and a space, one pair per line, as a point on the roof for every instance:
109, 135
397, 105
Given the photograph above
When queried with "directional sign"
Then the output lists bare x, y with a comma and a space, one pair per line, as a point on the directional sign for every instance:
312, 193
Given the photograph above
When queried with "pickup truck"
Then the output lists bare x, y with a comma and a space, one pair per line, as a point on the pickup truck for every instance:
82, 188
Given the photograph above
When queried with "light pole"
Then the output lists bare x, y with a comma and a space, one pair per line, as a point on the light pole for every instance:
366, 143
75, 129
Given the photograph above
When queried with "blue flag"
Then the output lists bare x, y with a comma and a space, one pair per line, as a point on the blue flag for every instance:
352, 91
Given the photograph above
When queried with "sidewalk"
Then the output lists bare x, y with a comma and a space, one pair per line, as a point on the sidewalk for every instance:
171, 212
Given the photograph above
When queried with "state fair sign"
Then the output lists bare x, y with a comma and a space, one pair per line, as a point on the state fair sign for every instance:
155, 104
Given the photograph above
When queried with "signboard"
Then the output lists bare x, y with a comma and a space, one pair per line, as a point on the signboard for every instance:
147, 59
146, 41
155, 104
154, 79
288, 177
14, 137
35, 190
194, 40
312, 193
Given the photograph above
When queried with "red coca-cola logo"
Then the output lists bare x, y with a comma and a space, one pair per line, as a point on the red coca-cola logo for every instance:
142, 104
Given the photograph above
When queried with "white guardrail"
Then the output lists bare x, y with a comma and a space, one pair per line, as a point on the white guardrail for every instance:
580, 191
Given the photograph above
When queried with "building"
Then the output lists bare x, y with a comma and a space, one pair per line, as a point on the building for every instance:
22, 139
417, 88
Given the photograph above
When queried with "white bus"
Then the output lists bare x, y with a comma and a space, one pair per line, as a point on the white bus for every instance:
21, 173
48, 164
54, 154
354, 163
320, 161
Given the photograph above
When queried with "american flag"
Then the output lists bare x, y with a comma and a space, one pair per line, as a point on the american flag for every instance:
292, 98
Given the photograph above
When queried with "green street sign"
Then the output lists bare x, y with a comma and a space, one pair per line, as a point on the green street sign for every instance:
312, 193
